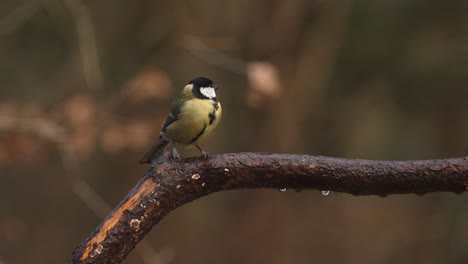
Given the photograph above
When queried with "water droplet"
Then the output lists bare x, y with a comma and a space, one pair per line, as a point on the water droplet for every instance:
325, 193
283, 189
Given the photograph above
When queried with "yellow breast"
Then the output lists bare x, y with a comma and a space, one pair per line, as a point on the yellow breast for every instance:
198, 118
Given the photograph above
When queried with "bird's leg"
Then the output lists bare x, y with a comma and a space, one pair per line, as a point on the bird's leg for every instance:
175, 154
203, 153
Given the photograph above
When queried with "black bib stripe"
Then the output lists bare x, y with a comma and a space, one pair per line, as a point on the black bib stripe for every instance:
198, 135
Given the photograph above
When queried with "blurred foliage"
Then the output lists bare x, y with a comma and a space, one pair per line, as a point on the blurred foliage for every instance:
85, 86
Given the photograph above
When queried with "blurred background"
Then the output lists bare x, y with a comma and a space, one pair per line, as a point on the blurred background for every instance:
85, 86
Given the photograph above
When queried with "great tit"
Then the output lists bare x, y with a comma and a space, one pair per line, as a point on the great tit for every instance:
194, 114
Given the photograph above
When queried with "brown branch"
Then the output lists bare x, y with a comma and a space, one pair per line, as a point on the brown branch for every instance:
169, 184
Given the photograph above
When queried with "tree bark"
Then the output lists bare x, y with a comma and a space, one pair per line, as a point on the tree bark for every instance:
169, 184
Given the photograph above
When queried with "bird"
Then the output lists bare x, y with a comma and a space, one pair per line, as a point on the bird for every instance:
194, 114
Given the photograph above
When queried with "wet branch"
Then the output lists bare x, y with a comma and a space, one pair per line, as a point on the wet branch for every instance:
169, 184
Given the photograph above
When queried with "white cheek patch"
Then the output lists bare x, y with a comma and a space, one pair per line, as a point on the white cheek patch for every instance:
208, 92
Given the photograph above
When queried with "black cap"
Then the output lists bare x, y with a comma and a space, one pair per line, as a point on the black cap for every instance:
201, 82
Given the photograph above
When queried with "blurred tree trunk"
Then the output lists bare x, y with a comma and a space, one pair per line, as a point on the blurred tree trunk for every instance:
304, 68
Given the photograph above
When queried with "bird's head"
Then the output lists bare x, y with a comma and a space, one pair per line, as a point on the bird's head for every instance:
203, 88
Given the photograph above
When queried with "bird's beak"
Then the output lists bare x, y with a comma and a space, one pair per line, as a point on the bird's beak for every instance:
216, 87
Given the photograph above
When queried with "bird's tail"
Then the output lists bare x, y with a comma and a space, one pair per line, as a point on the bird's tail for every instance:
156, 150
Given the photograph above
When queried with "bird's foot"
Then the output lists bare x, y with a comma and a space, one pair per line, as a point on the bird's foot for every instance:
203, 153
175, 154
